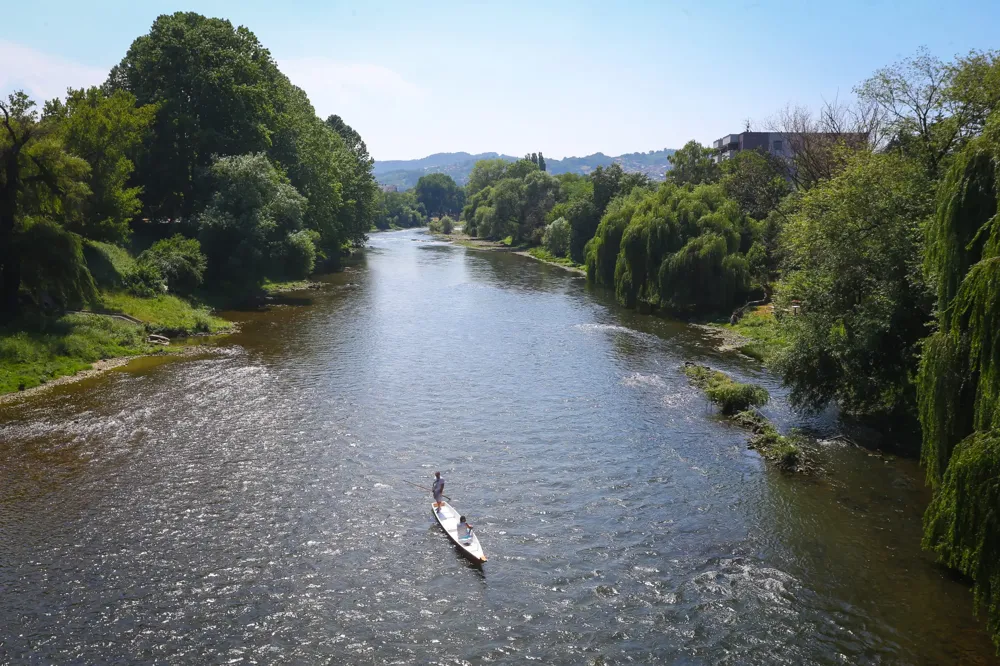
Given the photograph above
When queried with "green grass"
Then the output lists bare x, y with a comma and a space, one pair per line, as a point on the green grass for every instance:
109, 264
279, 287
731, 396
36, 348
167, 315
544, 255
764, 332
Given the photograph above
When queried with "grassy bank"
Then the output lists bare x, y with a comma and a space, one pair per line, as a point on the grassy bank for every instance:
37, 348
542, 254
760, 334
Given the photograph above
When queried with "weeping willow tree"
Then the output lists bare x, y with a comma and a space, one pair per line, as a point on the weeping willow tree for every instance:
959, 381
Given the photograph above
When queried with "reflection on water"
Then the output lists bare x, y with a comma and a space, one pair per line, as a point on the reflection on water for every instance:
248, 506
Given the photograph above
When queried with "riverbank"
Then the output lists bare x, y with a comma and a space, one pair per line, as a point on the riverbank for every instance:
757, 334
536, 253
39, 349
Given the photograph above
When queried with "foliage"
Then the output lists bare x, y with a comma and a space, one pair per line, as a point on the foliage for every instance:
145, 281
106, 131
217, 92
444, 225
53, 270
693, 165
35, 349
439, 195
179, 261
731, 396
783, 451
41, 186
755, 180
486, 173
399, 210
107, 263
853, 254
962, 523
246, 229
556, 237
931, 108
766, 335
676, 247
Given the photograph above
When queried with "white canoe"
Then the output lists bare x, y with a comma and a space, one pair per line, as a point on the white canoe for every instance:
448, 518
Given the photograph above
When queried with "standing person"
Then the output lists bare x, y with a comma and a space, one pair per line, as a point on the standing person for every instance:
437, 489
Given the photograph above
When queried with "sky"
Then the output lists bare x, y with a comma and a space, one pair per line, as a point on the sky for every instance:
562, 77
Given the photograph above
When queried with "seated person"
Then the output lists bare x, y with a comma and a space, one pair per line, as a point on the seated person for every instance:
464, 530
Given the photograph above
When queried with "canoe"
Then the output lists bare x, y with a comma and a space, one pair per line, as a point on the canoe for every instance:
448, 518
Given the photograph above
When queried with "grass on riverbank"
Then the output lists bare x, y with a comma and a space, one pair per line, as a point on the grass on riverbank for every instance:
542, 254
764, 333
37, 348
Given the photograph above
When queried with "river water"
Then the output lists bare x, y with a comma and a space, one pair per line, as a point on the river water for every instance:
249, 506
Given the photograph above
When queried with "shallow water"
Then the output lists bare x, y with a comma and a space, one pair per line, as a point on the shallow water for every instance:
249, 506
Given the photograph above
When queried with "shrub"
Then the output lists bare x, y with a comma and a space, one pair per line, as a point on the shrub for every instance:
145, 281
300, 254
179, 261
52, 264
556, 237
109, 264
445, 225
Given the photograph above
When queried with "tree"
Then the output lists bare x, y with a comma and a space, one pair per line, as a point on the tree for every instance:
755, 180
853, 255
107, 131
521, 168
816, 143
253, 227
439, 194
541, 161
959, 379
693, 165
41, 185
217, 92
556, 237
486, 173
540, 190
932, 108
399, 210
360, 190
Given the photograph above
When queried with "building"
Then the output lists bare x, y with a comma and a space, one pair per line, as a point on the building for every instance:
782, 144
775, 143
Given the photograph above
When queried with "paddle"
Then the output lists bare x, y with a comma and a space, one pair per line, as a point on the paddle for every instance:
424, 488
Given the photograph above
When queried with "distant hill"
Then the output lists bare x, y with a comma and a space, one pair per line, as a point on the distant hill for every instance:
404, 174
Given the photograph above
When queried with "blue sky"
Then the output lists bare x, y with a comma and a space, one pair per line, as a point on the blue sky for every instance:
566, 78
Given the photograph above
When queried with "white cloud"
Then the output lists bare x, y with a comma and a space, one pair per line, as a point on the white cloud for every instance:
43, 76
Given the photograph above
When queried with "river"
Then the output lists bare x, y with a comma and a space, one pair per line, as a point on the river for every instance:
249, 505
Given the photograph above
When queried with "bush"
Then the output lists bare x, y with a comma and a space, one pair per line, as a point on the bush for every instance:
445, 225
556, 237
300, 254
179, 261
145, 281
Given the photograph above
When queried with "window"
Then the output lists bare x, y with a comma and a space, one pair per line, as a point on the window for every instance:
777, 147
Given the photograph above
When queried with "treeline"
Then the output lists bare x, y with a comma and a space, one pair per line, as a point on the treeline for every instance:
198, 150
879, 229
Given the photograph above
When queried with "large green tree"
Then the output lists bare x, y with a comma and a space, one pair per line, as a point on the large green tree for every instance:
42, 187
693, 165
253, 228
959, 381
439, 194
107, 131
217, 91
852, 256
